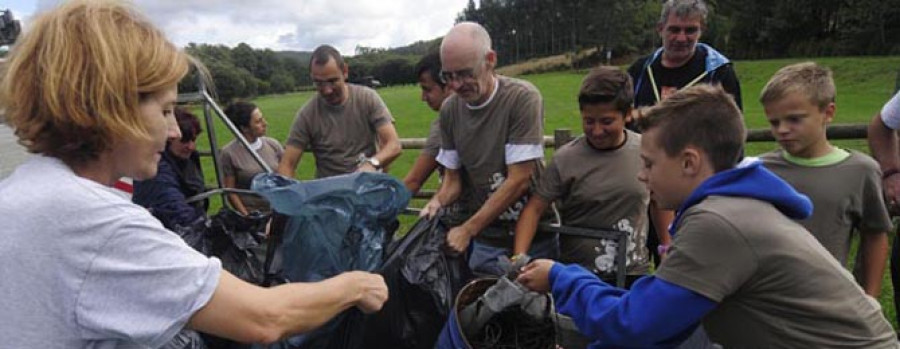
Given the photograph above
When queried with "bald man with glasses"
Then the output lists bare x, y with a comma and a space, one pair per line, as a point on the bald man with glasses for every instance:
491, 148
347, 127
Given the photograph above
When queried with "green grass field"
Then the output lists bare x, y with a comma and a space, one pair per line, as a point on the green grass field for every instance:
863, 85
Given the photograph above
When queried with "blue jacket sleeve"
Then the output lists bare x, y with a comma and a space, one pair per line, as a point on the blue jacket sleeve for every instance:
654, 313
163, 197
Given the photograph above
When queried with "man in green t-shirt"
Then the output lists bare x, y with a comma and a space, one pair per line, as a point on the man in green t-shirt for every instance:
346, 126
491, 149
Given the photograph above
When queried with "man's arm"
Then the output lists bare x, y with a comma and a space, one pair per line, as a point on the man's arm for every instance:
247, 313
423, 167
526, 227
449, 191
874, 247
289, 160
388, 147
515, 185
883, 145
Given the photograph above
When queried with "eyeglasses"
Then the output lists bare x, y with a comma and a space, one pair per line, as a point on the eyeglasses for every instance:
463, 75
326, 83
675, 30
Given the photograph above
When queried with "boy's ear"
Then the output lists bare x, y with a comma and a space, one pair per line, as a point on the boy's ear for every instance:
829, 112
628, 115
691, 161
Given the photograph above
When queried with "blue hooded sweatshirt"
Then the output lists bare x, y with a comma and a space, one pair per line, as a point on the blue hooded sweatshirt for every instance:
657, 313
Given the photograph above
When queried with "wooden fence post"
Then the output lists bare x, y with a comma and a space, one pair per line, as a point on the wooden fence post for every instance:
561, 136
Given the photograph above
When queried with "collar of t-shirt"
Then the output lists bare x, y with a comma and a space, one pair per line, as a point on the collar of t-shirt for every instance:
257, 144
835, 156
491, 98
591, 146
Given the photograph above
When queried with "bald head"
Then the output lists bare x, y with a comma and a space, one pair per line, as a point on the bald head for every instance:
466, 40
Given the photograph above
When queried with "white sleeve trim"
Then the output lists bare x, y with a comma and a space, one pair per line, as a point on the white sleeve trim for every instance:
890, 113
448, 158
516, 153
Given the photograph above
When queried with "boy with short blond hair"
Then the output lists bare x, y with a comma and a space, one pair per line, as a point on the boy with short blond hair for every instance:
738, 263
844, 186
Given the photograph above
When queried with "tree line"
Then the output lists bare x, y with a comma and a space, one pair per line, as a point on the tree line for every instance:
526, 29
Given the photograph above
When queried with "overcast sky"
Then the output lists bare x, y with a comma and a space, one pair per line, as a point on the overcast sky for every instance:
289, 24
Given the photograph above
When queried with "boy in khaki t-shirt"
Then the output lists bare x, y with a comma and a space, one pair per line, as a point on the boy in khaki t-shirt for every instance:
844, 186
593, 179
738, 263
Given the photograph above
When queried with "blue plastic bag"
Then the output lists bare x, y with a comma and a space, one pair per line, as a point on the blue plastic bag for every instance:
335, 224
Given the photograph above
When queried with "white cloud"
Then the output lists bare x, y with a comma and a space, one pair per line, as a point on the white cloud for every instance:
300, 25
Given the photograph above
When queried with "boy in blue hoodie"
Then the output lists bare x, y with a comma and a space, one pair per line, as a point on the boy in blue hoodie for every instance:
739, 265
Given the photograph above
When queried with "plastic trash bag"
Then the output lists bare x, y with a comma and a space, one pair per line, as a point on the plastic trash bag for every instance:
500, 313
335, 224
422, 279
230, 237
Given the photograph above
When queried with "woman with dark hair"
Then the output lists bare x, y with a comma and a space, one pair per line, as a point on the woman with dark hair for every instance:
178, 178
238, 165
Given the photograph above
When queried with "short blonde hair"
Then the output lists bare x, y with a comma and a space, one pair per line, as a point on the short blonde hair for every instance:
810, 79
73, 84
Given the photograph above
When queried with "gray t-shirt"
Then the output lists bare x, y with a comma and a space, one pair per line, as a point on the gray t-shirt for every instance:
775, 285
482, 140
238, 162
846, 195
599, 189
339, 135
433, 142
83, 267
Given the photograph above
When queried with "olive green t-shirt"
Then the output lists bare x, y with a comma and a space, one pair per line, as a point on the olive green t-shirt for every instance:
238, 162
599, 189
338, 135
846, 195
480, 141
433, 142
775, 285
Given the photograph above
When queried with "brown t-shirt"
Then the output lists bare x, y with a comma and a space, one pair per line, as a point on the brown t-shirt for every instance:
599, 189
238, 162
846, 195
481, 141
338, 135
775, 285
433, 142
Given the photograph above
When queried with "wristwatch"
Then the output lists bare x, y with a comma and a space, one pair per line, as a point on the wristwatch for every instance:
374, 162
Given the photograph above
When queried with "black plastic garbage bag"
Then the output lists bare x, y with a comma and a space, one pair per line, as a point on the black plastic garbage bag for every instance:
231, 238
186, 339
335, 224
423, 281
499, 313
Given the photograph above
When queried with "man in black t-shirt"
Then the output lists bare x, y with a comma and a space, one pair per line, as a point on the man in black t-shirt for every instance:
681, 62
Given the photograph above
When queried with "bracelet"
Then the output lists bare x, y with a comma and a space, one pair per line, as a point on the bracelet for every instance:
889, 173
662, 249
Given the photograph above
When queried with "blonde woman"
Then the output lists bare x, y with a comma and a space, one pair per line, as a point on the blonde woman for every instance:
90, 89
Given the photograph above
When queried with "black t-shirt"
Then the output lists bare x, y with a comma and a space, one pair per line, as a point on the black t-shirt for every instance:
670, 79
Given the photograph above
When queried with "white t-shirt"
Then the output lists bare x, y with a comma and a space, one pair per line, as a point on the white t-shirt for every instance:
890, 113
83, 267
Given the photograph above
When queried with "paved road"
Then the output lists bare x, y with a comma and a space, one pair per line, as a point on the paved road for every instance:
11, 153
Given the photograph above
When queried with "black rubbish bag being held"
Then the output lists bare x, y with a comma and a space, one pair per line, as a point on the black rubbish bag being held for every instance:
423, 280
